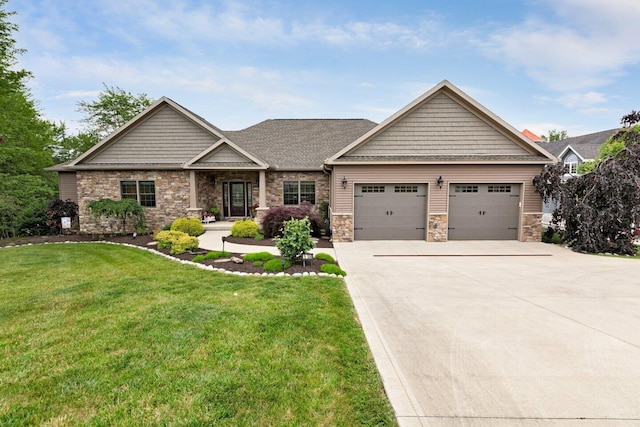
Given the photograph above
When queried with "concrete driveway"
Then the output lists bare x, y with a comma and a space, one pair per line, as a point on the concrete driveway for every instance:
500, 333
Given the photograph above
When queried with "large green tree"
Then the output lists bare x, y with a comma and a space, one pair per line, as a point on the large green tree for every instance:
555, 135
25, 141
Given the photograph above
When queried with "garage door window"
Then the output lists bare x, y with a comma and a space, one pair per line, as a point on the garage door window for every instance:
499, 189
406, 189
466, 189
372, 189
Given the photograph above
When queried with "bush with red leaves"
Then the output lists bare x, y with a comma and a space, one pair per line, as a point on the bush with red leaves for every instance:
274, 219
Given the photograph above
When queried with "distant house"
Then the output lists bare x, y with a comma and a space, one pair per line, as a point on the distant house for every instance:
572, 152
442, 168
579, 149
532, 136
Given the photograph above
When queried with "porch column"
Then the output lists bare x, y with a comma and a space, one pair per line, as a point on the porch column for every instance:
262, 198
193, 211
262, 189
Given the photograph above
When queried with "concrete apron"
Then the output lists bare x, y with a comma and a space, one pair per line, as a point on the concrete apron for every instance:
499, 333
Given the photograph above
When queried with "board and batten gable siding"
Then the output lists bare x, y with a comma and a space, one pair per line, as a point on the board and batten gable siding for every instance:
166, 136
68, 186
441, 126
342, 199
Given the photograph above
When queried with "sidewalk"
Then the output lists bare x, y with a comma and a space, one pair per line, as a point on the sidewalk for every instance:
212, 240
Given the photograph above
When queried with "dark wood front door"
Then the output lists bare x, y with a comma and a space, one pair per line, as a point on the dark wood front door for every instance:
237, 199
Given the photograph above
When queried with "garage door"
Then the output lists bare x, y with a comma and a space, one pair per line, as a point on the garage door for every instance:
484, 211
390, 211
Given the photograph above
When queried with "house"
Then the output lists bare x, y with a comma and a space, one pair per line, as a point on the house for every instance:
442, 168
532, 136
579, 149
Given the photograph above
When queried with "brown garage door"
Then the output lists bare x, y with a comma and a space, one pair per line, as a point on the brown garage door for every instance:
484, 211
390, 211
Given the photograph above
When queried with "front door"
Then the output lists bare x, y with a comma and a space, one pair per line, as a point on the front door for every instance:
237, 198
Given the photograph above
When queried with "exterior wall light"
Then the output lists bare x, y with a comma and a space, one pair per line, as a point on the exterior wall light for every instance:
440, 181
344, 182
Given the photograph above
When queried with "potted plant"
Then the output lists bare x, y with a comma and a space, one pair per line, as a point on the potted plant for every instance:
213, 210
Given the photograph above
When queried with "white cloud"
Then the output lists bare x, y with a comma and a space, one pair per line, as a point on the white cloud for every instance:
585, 44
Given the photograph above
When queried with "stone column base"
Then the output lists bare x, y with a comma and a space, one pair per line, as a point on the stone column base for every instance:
531, 227
437, 231
342, 227
194, 213
260, 213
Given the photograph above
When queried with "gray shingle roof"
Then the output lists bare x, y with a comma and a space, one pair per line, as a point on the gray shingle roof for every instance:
299, 144
585, 145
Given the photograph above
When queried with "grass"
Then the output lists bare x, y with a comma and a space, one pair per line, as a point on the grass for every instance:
97, 334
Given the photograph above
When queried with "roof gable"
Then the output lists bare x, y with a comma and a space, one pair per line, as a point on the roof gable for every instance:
163, 134
443, 125
225, 155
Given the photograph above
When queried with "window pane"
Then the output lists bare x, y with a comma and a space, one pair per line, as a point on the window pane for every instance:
308, 191
291, 192
147, 193
128, 190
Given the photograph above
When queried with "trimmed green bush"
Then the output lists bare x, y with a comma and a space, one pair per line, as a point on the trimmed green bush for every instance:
275, 265
191, 226
332, 269
258, 256
257, 263
325, 257
211, 255
245, 228
176, 241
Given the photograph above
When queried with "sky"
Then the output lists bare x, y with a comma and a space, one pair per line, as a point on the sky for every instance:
539, 64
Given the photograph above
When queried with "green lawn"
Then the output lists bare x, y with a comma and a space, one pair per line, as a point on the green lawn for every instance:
97, 334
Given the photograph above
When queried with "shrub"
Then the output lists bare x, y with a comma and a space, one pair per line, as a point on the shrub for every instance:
176, 241
258, 256
244, 228
295, 240
332, 269
211, 255
274, 219
258, 263
551, 236
325, 257
121, 210
191, 226
276, 265
58, 209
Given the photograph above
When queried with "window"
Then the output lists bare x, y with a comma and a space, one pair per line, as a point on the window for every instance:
406, 189
499, 189
372, 189
296, 192
571, 161
142, 191
466, 189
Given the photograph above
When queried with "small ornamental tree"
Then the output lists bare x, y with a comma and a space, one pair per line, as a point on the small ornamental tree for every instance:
295, 240
58, 209
120, 210
598, 210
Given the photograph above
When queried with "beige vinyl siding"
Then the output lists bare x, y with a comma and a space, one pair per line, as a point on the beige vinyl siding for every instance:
428, 174
224, 155
441, 126
68, 186
166, 136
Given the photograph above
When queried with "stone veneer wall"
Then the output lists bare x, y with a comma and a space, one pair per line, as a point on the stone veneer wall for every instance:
341, 227
172, 196
532, 227
437, 231
275, 185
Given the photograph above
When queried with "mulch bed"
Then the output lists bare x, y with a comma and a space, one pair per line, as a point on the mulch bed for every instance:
145, 240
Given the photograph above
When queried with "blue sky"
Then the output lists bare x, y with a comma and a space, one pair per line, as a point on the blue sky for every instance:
538, 64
